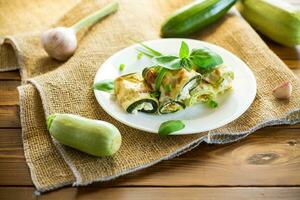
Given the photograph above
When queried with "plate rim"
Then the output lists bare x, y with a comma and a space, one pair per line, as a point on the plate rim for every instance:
240, 113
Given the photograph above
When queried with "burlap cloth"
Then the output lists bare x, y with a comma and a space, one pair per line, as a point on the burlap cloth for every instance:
66, 87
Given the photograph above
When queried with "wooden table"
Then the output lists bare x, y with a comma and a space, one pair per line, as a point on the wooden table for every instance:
265, 165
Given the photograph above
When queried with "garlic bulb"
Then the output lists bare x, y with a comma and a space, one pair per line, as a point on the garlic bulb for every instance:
283, 91
61, 43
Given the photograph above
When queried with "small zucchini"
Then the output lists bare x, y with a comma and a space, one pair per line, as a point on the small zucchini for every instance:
276, 19
94, 137
194, 17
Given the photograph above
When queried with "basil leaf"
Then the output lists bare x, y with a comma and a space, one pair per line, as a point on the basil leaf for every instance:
184, 50
169, 127
106, 86
186, 63
169, 62
204, 58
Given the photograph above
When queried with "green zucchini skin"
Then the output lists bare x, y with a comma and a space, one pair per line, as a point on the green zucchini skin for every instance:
194, 17
95, 137
137, 103
276, 19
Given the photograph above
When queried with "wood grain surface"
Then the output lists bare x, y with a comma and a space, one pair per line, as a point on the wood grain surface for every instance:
265, 165
150, 193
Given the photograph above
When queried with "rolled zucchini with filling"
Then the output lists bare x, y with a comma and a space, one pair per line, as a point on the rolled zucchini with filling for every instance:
174, 86
203, 93
133, 94
221, 78
171, 106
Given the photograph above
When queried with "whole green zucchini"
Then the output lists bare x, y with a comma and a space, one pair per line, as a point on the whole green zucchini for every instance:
94, 137
276, 19
194, 17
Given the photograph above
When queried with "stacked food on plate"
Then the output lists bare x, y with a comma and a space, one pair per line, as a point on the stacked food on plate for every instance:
174, 83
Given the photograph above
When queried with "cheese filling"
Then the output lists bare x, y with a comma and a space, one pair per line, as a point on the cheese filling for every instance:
185, 92
143, 106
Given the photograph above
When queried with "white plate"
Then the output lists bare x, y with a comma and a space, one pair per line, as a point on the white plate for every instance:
197, 118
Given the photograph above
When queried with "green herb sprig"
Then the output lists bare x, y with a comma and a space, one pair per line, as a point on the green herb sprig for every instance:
202, 59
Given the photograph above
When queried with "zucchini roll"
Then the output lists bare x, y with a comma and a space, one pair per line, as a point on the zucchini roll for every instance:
174, 86
221, 78
133, 94
171, 106
203, 93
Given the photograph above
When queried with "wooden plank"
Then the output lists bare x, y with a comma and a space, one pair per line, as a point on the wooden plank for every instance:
14, 193
10, 75
11, 147
265, 158
284, 52
13, 168
158, 193
292, 64
17, 174
268, 157
9, 117
9, 93
289, 55
297, 72
174, 193
10, 138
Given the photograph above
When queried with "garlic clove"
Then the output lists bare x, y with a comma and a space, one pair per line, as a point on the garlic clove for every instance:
60, 43
283, 91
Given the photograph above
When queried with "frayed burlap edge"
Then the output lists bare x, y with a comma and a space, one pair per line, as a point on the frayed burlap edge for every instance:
224, 138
